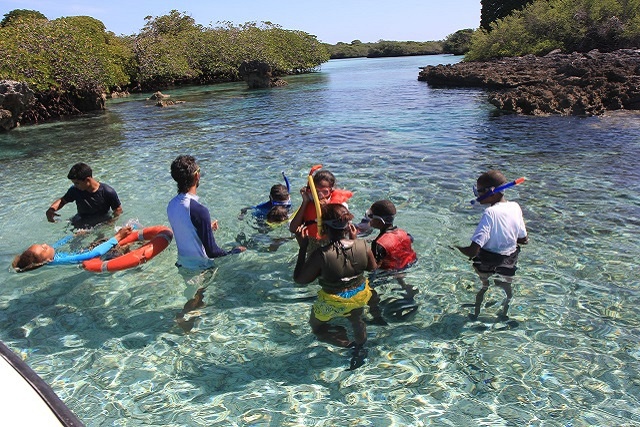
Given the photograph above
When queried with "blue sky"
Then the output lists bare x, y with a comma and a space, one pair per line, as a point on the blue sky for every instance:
331, 21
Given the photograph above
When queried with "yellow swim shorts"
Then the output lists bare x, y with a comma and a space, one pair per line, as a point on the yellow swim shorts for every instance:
329, 306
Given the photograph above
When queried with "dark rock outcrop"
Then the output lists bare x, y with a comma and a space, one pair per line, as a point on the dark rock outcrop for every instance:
565, 84
20, 105
15, 99
259, 75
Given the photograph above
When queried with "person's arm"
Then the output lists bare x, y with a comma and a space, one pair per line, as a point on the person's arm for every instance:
55, 206
201, 220
523, 240
371, 260
113, 200
378, 251
306, 271
470, 251
298, 218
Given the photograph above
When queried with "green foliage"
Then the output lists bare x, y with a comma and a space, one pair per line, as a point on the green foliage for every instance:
79, 52
63, 53
183, 51
569, 25
383, 48
20, 15
458, 43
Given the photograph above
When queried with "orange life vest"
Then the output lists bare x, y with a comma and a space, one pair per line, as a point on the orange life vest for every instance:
309, 215
397, 245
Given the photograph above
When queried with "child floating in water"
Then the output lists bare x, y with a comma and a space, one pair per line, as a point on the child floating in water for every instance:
268, 215
495, 244
277, 208
42, 254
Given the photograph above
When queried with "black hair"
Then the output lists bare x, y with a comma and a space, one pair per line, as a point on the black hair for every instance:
493, 178
324, 175
279, 193
385, 209
336, 218
80, 171
183, 172
278, 213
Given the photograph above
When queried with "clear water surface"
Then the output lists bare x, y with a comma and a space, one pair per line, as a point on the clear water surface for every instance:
108, 343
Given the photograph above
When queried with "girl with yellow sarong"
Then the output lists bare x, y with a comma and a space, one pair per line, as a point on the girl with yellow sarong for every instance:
339, 267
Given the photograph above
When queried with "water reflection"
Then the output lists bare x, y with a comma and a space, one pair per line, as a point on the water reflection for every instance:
111, 349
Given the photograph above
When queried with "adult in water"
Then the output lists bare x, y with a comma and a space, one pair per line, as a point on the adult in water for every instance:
193, 231
93, 199
339, 267
41, 254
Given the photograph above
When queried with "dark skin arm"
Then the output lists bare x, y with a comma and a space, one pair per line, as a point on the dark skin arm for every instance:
473, 249
306, 271
55, 206
470, 251
297, 220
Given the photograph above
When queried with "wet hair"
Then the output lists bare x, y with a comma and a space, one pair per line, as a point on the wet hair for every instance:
324, 175
385, 209
279, 193
183, 172
278, 213
492, 178
26, 261
336, 217
80, 171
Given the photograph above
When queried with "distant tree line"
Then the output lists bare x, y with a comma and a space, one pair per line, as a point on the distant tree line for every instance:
382, 48
78, 52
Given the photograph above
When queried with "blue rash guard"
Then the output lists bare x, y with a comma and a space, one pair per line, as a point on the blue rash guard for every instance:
191, 224
61, 258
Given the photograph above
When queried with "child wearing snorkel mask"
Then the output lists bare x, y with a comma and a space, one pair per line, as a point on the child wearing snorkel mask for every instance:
495, 244
393, 251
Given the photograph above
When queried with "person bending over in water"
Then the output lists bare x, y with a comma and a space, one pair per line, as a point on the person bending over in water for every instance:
495, 244
41, 254
339, 267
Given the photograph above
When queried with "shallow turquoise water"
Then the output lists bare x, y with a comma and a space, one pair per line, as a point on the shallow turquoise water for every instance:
108, 344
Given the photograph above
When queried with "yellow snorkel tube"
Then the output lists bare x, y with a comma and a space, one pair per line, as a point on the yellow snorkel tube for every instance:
314, 193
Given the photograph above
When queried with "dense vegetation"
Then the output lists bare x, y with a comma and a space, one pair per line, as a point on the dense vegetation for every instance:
78, 52
492, 10
568, 25
357, 49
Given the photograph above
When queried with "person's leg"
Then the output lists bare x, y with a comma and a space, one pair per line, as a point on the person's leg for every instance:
484, 278
360, 332
358, 326
336, 335
505, 283
374, 309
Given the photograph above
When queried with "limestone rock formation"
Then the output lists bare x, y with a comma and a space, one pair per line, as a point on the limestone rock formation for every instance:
582, 84
15, 99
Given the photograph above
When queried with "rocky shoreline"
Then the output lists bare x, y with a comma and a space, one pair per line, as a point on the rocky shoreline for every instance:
580, 84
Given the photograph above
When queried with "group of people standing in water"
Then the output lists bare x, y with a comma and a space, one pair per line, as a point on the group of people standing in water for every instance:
332, 249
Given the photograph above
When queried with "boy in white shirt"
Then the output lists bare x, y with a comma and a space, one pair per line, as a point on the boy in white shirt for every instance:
495, 243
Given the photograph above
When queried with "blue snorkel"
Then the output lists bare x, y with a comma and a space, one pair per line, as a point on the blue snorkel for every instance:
498, 190
286, 181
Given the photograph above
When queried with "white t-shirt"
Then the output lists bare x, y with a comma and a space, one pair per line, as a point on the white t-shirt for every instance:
500, 227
